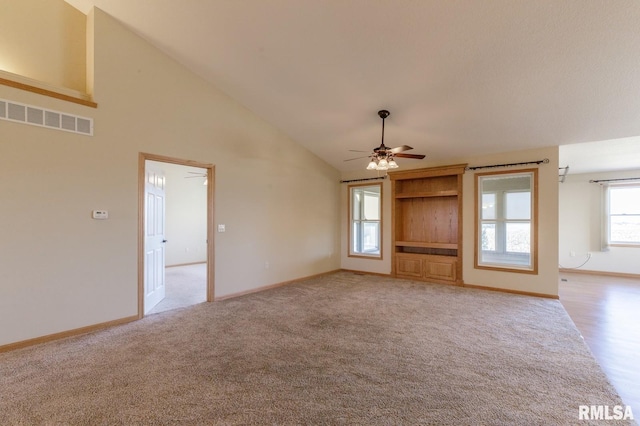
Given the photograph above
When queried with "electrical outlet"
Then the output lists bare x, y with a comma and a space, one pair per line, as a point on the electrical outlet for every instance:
266, 265
572, 253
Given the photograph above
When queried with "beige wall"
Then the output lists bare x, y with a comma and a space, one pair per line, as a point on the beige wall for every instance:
44, 40
545, 282
379, 265
581, 213
61, 270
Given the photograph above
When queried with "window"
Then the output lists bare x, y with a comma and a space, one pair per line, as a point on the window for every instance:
506, 225
365, 217
623, 220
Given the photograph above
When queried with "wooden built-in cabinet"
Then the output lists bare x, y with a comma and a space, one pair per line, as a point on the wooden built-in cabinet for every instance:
427, 223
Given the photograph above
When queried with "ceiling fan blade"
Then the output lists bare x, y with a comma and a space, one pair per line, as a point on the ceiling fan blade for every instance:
357, 158
416, 156
398, 149
356, 150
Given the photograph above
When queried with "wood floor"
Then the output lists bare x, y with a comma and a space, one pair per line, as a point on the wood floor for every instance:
606, 311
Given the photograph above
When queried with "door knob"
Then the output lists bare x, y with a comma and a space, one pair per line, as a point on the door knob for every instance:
164, 241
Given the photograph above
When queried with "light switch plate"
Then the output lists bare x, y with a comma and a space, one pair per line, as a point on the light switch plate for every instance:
221, 228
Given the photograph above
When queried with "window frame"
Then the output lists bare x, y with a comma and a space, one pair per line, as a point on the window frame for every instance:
609, 215
351, 220
501, 222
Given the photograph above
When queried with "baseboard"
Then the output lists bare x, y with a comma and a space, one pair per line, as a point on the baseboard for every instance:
607, 274
65, 334
185, 264
505, 290
271, 286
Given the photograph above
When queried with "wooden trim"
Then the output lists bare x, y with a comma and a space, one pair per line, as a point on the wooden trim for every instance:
45, 92
604, 273
476, 222
454, 169
507, 269
364, 256
536, 215
459, 265
142, 157
211, 257
505, 290
141, 202
452, 246
68, 333
394, 250
178, 161
534, 220
453, 193
272, 286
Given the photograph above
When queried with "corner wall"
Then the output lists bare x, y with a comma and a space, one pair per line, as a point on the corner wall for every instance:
581, 215
44, 41
60, 270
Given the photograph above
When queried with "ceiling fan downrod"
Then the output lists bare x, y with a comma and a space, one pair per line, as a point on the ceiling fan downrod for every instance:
383, 113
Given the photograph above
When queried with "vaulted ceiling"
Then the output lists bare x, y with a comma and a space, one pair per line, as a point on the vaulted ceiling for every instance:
460, 77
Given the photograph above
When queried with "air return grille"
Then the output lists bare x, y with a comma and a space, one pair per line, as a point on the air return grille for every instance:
35, 116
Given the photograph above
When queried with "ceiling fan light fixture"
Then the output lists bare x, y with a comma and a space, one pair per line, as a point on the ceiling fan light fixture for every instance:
383, 164
382, 157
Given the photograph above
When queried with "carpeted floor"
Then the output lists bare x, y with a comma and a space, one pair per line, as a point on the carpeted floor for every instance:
340, 349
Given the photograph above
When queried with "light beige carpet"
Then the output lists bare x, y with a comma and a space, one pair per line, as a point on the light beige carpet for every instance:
340, 349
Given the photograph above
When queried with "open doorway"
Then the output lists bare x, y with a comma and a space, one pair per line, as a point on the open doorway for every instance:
175, 250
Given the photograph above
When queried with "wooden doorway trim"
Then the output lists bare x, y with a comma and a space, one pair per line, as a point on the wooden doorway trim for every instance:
142, 158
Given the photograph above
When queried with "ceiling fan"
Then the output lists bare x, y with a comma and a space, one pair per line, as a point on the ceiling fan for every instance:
383, 157
198, 175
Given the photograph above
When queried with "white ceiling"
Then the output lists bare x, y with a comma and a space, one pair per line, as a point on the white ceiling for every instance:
460, 77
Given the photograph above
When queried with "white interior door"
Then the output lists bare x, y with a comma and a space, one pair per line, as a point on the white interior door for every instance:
154, 240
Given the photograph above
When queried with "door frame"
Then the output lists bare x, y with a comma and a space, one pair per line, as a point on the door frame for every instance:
142, 158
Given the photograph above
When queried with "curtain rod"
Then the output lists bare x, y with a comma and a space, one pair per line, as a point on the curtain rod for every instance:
613, 180
362, 180
545, 161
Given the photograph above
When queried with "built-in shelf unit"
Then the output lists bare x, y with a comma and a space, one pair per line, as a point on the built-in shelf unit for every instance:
427, 223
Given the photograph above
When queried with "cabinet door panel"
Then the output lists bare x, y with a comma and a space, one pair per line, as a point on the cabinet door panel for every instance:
440, 269
409, 266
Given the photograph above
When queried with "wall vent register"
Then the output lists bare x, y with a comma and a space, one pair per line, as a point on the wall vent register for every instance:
36, 116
